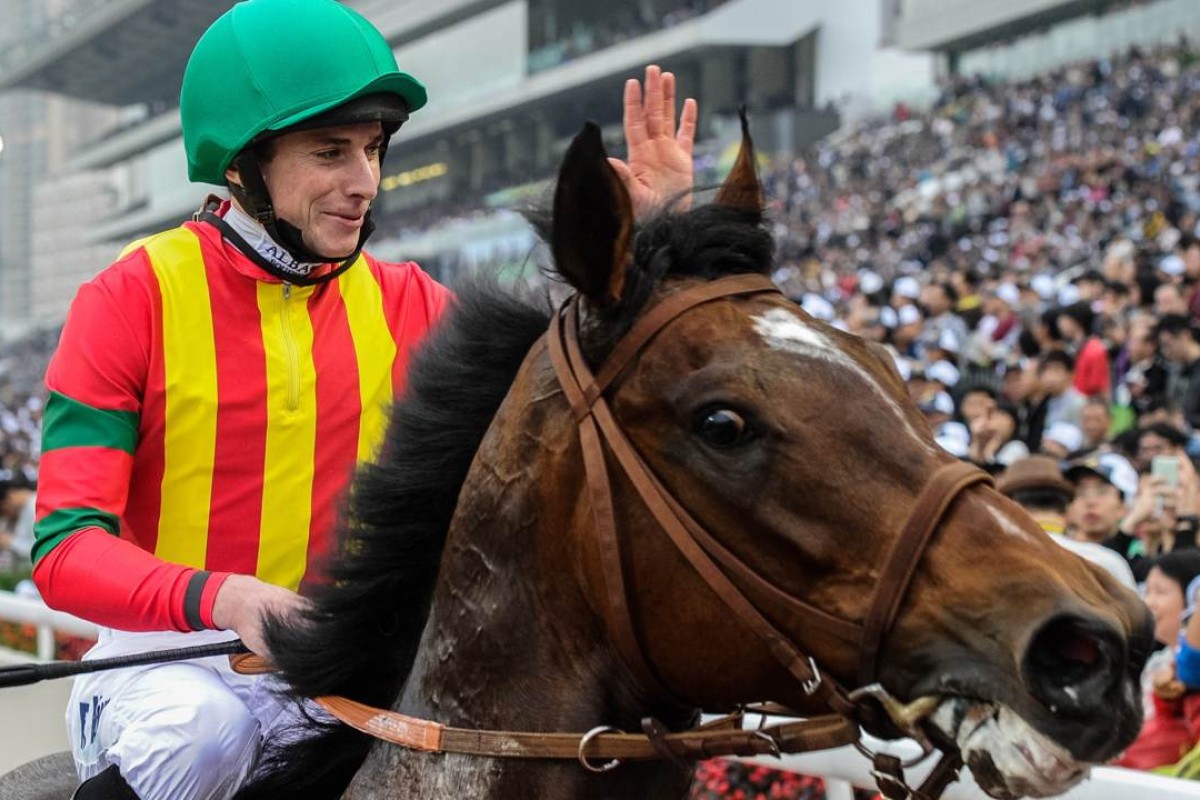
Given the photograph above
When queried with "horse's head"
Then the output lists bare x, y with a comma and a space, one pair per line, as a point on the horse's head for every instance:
822, 499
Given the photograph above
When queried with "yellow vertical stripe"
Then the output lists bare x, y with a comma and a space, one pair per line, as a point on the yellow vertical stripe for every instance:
375, 350
190, 361
287, 335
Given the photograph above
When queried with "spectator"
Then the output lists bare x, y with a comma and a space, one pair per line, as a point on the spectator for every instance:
1173, 724
1144, 381
1037, 484
1104, 483
17, 501
1094, 422
1091, 376
1158, 439
994, 445
1169, 300
1158, 520
944, 329
1062, 440
1060, 400
1177, 342
975, 401
1188, 248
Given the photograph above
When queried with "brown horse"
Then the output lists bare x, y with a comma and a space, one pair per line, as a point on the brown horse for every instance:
474, 586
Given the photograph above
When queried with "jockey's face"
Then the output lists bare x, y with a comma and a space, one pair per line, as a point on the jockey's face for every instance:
323, 181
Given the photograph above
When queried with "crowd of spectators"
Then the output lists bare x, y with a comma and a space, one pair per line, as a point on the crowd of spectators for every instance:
22, 397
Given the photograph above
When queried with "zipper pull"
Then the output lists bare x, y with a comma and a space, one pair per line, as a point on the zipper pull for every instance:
287, 291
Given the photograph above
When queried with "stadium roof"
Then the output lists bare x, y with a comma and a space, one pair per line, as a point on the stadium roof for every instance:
118, 52
961, 25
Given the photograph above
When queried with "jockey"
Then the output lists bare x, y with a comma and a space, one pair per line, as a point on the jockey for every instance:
214, 388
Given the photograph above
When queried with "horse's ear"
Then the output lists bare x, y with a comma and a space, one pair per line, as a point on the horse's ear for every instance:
593, 221
742, 188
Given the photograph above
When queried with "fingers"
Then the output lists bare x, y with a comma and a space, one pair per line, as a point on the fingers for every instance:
653, 115
668, 107
687, 126
655, 119
635, 118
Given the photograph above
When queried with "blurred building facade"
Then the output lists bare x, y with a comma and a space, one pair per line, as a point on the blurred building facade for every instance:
510, 83
41, 131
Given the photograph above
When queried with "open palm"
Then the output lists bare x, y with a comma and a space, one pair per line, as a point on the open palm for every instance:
660, 157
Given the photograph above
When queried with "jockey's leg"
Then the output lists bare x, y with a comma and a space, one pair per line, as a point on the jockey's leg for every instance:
175, 731
108, 785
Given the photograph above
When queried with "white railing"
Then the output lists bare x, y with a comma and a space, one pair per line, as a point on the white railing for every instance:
842, 769
30, 611
845, 768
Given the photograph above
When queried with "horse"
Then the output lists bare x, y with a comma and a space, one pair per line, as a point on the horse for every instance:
678, 491
486, 579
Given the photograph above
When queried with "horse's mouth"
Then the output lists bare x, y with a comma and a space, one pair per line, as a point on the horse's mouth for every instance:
1007, 757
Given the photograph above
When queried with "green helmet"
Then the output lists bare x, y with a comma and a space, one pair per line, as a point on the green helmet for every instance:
269, 65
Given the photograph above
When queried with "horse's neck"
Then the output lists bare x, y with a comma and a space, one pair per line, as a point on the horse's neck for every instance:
467, 678
511, 644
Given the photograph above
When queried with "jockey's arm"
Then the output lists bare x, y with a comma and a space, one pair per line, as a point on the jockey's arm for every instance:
96, 383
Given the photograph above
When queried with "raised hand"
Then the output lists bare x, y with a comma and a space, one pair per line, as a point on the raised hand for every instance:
660, 157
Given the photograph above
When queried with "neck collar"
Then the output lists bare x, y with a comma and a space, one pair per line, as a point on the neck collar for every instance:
257, 238
258, 246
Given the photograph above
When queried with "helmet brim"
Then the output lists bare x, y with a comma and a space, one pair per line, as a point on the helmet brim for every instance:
406, 87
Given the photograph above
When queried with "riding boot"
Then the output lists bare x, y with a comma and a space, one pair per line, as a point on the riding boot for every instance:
108, 785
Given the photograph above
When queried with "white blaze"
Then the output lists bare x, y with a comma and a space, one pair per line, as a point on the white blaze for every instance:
784, 330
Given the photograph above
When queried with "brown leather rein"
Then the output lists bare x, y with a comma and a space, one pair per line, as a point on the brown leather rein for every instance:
736, 583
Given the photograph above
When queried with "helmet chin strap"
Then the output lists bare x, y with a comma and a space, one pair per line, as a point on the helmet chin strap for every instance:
255, 199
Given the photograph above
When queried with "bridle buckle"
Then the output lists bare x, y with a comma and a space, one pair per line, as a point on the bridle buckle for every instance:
811, 685
586, 740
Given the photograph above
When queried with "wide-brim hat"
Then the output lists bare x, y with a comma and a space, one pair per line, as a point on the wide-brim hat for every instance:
1033, 472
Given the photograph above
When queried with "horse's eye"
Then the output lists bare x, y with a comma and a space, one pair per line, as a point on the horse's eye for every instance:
722, 428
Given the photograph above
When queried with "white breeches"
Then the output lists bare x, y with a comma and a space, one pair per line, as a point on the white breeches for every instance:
187, 730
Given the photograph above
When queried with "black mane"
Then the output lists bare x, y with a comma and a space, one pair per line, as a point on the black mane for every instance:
361, 637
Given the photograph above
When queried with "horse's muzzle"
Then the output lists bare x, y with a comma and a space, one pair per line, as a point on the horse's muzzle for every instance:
1085, 675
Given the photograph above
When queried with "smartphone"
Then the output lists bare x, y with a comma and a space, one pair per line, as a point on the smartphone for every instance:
1166, 467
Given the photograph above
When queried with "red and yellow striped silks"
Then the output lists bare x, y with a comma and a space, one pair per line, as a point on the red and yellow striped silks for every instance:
213, 414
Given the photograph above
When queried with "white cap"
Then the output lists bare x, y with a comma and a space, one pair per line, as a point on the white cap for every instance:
937, 403
1043, 284
1068, 294
817, 306
887, 317
1111, 467
948, 341
869, 281
907, 315
1066, 434
1009, 294
943, 372
954, 438
907, 286
1172, 264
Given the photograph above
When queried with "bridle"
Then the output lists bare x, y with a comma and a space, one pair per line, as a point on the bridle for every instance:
746, 593
736, 583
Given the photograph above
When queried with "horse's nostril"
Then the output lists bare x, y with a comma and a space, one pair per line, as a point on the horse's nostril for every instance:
1079, 648
1069, 652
